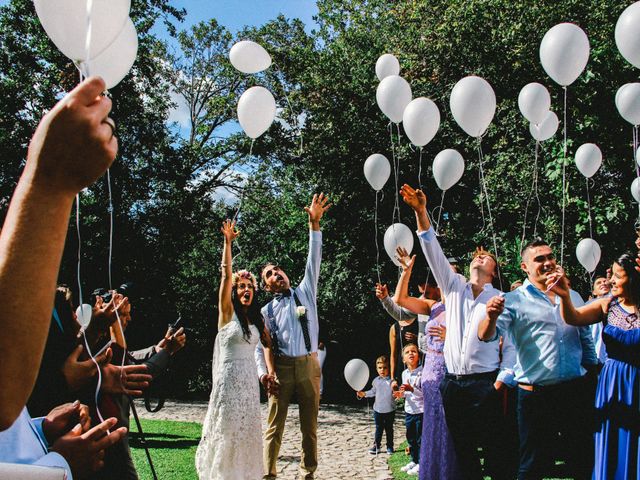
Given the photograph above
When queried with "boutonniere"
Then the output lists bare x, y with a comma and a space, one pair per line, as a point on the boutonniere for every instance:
301, 311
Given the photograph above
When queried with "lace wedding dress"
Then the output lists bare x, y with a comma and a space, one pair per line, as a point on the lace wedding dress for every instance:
231, 444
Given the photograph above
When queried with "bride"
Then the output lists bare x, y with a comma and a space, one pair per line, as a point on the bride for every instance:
231, 444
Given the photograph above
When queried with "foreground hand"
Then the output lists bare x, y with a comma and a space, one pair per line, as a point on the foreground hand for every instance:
74, 143
410, 337
382, 291
63, 417
78, 373
130, 379
398, 394
360, 394
495, 306
438, 331
416, 199
229, 231
499, 386
84, 452
405, 387
319, 205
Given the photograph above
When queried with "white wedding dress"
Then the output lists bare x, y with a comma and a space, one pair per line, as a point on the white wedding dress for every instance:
231, 444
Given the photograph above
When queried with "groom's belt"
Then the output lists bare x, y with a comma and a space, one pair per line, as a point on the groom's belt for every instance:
286, 358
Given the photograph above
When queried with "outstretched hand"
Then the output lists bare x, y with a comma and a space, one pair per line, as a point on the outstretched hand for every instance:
557, 282
406, 262
382, 291
229, 230
319, 205
416, 199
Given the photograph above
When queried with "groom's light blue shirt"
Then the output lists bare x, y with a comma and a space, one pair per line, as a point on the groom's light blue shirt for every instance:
548, 350
289, 329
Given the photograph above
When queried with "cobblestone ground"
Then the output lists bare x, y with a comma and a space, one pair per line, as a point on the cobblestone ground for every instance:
345, 433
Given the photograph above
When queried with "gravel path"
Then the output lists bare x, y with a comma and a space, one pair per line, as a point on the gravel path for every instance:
345, 433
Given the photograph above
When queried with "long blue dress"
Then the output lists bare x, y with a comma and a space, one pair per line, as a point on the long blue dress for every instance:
437, 455
617, 456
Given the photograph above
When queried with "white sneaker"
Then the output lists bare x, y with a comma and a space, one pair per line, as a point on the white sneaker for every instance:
408, 467
414, 471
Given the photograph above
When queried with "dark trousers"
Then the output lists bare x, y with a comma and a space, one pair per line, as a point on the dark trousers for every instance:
475, 417
554, 420
413, 422
384, 423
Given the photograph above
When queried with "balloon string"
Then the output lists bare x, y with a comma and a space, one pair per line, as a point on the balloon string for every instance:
440, 213
486, 194
531, 191
637, 167
99, 384
484, 221
87, 44
589, 209
564, 175
241, 203
420, 169
537, 193
293, 113
396, 205
375, 220
110, 227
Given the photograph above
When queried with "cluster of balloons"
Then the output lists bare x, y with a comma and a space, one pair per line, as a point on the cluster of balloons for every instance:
256, 107
97, 35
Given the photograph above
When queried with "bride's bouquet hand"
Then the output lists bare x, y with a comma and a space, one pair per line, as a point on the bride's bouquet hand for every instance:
229, 231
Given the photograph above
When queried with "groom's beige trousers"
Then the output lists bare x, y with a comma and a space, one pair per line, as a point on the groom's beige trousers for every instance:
299, 376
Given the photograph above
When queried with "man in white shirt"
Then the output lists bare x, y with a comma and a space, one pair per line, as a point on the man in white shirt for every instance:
292, 320
477, 372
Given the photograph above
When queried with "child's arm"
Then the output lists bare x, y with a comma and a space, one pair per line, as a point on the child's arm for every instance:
368, 393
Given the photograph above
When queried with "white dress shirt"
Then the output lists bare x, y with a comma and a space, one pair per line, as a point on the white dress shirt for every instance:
464, 352
24, 443
413, 401
289, 329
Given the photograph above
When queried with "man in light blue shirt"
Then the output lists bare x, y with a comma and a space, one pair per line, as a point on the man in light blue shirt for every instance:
553, 394
292, 320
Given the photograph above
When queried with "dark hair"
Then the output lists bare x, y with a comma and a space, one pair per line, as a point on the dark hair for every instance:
64, 307
536, 242
246, 317
628, 263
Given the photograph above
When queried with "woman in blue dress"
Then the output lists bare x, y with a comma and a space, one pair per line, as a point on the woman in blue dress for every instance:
617, 439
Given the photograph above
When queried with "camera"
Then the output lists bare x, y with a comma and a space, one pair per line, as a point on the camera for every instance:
125, 289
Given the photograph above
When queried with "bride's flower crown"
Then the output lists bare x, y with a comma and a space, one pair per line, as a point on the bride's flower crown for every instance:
245, 274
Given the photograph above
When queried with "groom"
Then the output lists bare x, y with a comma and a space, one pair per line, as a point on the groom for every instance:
292, 320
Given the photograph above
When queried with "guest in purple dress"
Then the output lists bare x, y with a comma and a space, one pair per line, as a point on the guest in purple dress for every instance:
437, 453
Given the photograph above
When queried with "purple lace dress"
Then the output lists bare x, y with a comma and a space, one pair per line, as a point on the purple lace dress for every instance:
437, 456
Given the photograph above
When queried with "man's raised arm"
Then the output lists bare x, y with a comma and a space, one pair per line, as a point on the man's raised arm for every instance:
73, 146
319, 205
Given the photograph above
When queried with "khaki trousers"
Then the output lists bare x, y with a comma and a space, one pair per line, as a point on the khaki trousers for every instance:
299, 376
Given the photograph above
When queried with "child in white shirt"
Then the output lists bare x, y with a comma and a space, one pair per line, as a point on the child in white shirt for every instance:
384, 406
411, 390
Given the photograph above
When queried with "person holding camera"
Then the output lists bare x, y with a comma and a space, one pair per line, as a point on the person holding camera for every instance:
231, 431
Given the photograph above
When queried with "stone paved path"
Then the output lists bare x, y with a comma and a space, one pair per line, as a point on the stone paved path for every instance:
344, 435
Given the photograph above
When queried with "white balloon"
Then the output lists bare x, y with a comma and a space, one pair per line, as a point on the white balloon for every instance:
393, 95
387, 65
421, 120
256, 111
249, 57
397, 235
545, 130
473, 104
635, 189
115, 62
65, 22
534, 102
638, 156
628, 34
628, 102
377, 170
588, 159
83, 312
588, 254
564, 52
356, 373
448, 167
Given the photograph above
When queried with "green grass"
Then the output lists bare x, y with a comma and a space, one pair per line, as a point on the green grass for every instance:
172, 446
399, 459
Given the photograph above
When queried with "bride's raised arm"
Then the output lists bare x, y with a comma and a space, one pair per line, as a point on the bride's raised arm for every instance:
225, 305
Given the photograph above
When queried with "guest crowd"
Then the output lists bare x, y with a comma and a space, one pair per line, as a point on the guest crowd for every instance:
525, 380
